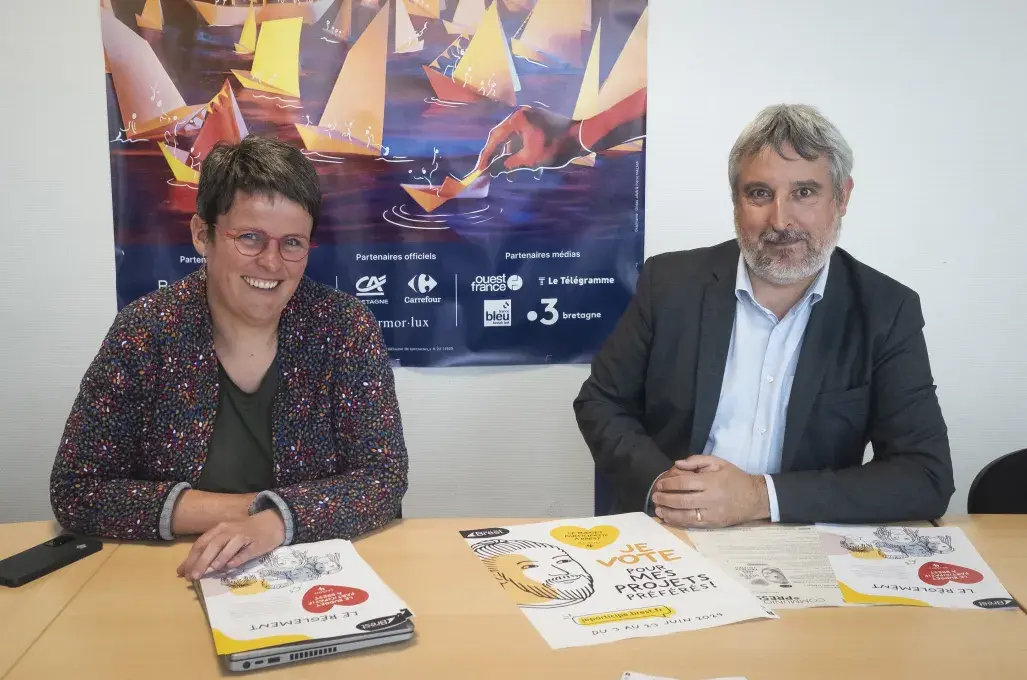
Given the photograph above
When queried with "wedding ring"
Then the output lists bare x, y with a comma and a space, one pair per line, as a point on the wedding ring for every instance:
698, 516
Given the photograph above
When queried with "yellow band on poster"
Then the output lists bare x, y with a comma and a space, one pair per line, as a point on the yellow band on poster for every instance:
856, 597
625, 615
226, 645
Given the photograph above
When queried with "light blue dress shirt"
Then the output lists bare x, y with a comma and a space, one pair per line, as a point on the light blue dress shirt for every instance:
749, 427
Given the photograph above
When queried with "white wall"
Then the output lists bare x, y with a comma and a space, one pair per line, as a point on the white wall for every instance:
929, 94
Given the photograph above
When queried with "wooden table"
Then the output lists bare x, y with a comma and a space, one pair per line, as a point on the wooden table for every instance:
134, 618
1002, 540
26, 611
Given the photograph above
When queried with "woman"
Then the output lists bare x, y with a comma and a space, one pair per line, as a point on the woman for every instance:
245, 403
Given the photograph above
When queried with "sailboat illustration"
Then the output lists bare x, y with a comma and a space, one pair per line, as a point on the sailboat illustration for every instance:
430, 198
627, 77
248, 42
356, 106
152, 16
222, 122
342, 27
276, 60
215, 14
431, 9
148, 100
407, 38
485, 71
628, 74
587, 105
552, 32
466, 17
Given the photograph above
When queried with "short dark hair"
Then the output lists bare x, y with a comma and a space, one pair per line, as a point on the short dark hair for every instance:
258, 166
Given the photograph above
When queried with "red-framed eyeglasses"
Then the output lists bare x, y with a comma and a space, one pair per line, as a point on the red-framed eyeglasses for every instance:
252, 242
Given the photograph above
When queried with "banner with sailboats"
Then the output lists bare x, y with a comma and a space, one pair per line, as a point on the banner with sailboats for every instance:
482, 161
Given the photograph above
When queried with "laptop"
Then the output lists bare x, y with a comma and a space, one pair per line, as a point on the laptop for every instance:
301, 651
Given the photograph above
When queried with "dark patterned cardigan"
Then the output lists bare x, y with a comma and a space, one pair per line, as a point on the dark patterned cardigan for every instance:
140, 427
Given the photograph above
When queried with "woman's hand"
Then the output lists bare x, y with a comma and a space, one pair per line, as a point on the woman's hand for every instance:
230, 544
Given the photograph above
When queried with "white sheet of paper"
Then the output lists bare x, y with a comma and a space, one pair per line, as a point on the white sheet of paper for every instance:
300, 592
927, 567
593, 580
784, 566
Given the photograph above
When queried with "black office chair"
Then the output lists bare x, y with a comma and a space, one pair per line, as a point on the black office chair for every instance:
1001, 487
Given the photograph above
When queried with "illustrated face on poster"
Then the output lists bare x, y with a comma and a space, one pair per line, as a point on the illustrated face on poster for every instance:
536, 574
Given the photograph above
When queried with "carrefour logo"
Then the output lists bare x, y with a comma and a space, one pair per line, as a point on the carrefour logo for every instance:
422, 283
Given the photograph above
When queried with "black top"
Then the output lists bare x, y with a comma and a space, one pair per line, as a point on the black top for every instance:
240, 458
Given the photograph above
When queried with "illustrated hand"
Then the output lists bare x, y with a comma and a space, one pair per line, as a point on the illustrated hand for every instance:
708, 492
531, 138
230, 544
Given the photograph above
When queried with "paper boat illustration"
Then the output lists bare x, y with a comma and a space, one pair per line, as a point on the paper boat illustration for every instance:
552, 32
276, 59
474, 185
310, 11
485, 71
149, 101
354, 117
222, 122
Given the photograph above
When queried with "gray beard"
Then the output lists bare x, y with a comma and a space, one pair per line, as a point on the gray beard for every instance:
763, 265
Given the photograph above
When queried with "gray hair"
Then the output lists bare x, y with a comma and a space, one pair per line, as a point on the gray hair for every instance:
256, 166
802, 127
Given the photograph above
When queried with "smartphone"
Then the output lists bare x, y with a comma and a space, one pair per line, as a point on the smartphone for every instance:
17, 570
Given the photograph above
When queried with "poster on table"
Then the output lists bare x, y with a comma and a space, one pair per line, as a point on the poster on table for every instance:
482, 161
916, 566
589, 581
299, 593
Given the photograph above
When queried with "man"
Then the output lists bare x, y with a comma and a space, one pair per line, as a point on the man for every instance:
744, 380
537, 575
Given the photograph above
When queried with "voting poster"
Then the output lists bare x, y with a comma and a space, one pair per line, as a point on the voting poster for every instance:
589, 581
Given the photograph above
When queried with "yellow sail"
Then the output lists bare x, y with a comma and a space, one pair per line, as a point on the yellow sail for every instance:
588, 97
149, 101
342, 27
217, 14
487, 67
407, 40
423, 8
628, 74
276, 61
466, 17
354, 117
248, 42
178, 162
152, 16
553, 29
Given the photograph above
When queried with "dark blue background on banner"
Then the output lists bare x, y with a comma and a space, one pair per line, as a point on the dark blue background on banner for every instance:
438, 282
